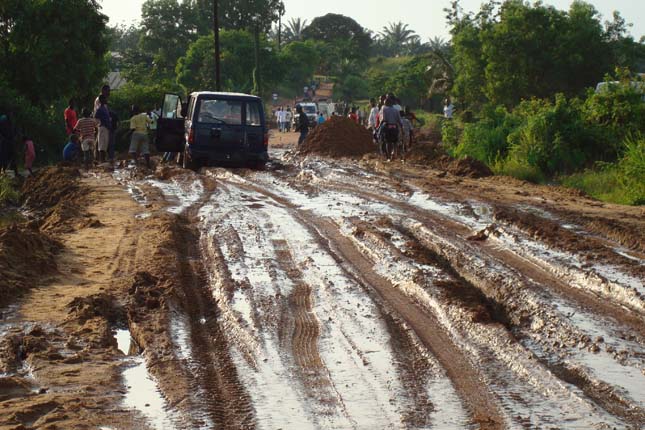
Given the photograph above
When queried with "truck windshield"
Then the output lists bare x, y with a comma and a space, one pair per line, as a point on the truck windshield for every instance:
309, 109
213, 111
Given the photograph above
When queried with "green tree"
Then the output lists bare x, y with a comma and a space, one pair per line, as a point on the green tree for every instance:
397, 39
168, 28
520, 50
299, 62
351, 88
52, 49
347, 43
293, 29
196, 70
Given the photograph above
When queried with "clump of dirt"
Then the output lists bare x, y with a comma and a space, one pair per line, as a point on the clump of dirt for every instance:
56, 196
98, 305
466, 167
338, 137
25, 255
424, 152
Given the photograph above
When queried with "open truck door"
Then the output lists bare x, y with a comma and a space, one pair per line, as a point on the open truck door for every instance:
170, 125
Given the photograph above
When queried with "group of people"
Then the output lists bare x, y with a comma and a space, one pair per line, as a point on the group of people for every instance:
94, 134
283, 117
392, 125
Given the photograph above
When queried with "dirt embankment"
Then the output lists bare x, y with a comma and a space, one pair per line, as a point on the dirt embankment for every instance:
338, 137
28, 249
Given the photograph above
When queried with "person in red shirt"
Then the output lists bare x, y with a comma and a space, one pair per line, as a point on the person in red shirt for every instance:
353, 116
70, 118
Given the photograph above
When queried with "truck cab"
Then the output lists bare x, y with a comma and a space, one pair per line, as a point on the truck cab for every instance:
214, 128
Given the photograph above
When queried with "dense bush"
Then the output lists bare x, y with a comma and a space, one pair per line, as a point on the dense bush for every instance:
544, 138
44, 125
486, 140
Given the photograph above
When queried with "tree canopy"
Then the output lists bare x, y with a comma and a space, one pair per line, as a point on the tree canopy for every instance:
522, 50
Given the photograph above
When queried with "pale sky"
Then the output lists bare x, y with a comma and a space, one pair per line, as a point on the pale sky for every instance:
426, 17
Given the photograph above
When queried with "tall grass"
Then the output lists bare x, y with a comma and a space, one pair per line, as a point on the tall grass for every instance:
622, 182
8, 193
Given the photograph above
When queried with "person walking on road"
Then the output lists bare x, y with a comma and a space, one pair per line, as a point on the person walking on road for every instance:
87, 127
139, 142
371, 120
288, 117
30, 154
103, 115
321, 118
70, 118
353, 116
303, 124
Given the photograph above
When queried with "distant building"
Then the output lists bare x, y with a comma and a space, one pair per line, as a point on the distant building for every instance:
115, 80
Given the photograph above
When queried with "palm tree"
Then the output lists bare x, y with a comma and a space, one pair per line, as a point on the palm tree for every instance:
439, 44
294, 28
398, 35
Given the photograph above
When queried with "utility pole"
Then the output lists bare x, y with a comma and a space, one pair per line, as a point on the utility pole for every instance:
280, 31
218, 75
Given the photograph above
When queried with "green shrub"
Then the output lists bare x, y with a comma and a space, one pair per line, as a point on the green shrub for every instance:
619, 109
8, 193
487, 139
451, 131
622, 182
632, 170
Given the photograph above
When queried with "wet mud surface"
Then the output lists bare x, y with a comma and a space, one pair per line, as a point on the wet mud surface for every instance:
329, 294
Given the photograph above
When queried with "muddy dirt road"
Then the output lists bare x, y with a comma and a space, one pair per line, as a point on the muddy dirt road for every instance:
336, 294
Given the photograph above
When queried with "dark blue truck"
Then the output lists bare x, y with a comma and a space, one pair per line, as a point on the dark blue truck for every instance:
214, 128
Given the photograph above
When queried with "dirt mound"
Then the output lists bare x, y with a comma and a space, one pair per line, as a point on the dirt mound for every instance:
424, 152
338, 137
25, 255
466, 167
56, 196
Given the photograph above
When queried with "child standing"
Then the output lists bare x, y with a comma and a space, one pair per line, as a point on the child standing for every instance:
86, 127
30, 154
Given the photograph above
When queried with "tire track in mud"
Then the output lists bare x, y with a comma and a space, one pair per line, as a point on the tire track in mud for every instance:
623, 313
219, 398
481, 403
536, 278
227, 402
598, 391
306, 335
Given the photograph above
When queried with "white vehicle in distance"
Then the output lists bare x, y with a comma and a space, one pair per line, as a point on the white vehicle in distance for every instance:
311, 109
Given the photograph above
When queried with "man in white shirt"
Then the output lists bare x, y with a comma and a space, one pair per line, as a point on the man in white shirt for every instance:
448, 109
279, 117
288, 116
371, 121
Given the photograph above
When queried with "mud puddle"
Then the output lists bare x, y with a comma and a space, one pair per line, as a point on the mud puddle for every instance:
142, 392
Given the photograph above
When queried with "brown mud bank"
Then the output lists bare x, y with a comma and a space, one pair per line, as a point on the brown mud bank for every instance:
66, 273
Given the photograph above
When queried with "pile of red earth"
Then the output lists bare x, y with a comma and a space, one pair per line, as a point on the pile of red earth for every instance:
55, 196
25, 255
467, 167
338, 137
